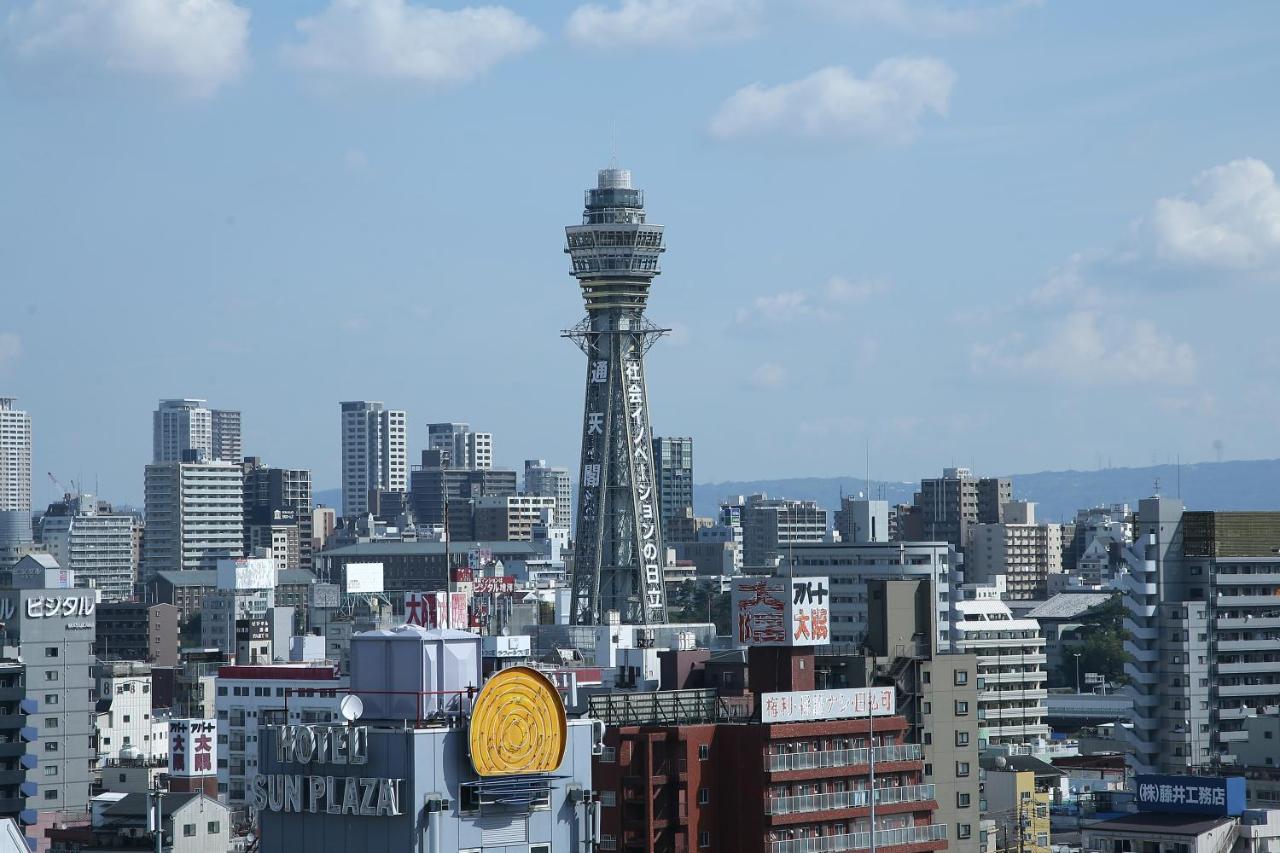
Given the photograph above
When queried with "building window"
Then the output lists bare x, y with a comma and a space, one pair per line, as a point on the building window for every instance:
704, 796
609, 798
962, 738
51, 699
607, 842
51, 770
928, 770
962, 677
51, 651
704, 839
704, 751
51, 746
215, 827
608, 755
51, 675
962, 768
928, 738
51, 722
924, 676
188, 830
540, 848
51, 795
964, 830
962, 800
928, 708
962, 708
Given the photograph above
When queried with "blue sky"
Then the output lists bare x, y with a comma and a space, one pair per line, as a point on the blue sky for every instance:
1014, 235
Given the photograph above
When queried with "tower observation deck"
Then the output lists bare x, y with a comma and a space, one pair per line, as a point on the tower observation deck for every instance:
618, 550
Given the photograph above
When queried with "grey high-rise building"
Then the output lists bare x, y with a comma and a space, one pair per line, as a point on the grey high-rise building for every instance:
949, 505
195, 516
179, 426
618, 549
15, 481
674, 460
88, 537
550, 481
433, 486
771, 526
459, 446
276, 501
1202, 595
375, 454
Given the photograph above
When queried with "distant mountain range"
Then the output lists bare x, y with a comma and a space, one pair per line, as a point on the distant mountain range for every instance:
1239, 485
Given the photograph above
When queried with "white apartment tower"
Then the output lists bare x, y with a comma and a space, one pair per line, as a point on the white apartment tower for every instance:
1025, 552
375, 454
179, 426
1011, 661
195, 516
460, 447
15, 478
85, 535
548, 481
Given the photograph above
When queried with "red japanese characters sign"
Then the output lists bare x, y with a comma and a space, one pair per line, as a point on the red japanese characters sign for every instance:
437, 610
192, 747
780, 611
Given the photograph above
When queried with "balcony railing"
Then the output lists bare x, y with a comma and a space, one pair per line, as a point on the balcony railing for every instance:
849, 799
842, 757
862, 840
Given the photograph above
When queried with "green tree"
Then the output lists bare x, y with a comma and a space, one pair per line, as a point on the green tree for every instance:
1100, 643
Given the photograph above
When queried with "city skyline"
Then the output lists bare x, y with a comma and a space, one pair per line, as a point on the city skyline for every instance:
1058, 204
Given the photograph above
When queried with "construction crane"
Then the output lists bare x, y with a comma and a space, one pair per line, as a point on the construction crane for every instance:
58, 484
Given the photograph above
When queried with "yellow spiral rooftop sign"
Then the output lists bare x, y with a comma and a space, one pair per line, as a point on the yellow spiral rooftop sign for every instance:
517, 724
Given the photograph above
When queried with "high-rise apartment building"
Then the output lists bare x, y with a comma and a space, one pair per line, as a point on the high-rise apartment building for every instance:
434, 486
950, 504
459, 446
15, 481
1011, 666
511, 518
862, 520
1025, 552
375, 454
1202, 595
549, 481
278, 512
195, 515
179, 426
772, 526
85, 535
673, 466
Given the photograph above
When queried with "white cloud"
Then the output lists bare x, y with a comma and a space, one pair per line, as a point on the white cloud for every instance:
393, 39
888, 105
821, 305
10, 349
1230, 221
195, 45
1066, 287
663, 22
928, 19
769, 375
1086, 348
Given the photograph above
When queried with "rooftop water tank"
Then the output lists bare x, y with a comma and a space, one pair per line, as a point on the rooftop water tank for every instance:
412, 673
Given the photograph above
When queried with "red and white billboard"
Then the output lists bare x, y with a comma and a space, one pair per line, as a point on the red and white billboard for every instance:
779, 611
193, 747
844, 703
438, 610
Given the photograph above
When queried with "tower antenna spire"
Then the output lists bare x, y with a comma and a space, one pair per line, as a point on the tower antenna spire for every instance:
613, 143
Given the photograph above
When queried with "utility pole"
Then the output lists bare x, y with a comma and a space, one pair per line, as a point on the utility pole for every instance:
158, 793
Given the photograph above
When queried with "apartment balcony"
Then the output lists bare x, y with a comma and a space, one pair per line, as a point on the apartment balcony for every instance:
936, 832
1140, 654
986, 658
841, 758
1139, 585
1252, 666
1013, 694
1258, 644
1224, 623
1031, 730
1232, 737
848, 800
1249, 689
1245, 578
1142, 611
1140, 632
1143, 698
1140, 741
1141, 676
1247, 601
1147, 722
1235, 713
1018, 713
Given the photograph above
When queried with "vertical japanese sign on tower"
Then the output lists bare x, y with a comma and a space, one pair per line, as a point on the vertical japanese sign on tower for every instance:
193, 747
781, 611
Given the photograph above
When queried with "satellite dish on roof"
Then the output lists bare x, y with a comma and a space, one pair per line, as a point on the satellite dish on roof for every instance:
351, 707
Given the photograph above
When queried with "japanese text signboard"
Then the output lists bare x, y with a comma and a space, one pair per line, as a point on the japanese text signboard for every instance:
1214, 795
782, 611
193, 747
806, 705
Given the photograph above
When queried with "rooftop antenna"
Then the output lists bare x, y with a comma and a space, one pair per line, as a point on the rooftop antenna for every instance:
613, 144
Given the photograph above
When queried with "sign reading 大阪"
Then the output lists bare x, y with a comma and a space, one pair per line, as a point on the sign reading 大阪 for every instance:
805, 705
192, 747
437, 610
1215, 795
781, 611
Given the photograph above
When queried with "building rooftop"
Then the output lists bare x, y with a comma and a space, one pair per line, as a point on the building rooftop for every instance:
429, 549
209, 577
138, 805
1162, 823
282, 671
1067, 605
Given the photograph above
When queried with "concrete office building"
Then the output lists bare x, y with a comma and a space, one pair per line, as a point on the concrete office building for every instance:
434, 485
460, 447
278, 512
123, 715
419, 566
1025, 552
375, 454
1097, 534
550, 481
673, 466
241, 617
137, 631
861, 520
86, 536
1202, 595
181, 426
52, 624
251, 700
512, 518
937, 694
15, 481
851, 565
424, 755
772, 527
1011, 661
195, 516
950, 504
186, 590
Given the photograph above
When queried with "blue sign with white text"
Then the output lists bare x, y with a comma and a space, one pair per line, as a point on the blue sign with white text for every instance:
1214, 795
